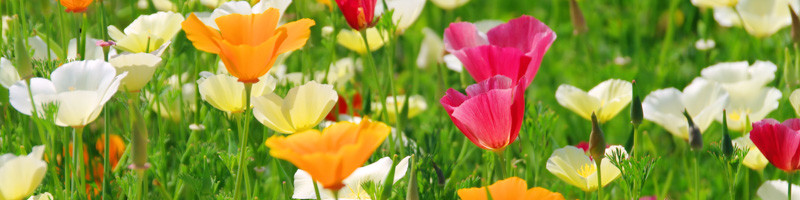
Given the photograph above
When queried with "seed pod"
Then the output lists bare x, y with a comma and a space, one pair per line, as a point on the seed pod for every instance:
795, 25
597, 142
578, 21
727, 144
636, 107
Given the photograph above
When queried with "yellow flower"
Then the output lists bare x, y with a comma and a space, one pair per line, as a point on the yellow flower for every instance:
351, 39
607, 99
19, 176
573, 166
148, 33
226, 93
302, 109
331, 156
754, 159
509, 189
794, 99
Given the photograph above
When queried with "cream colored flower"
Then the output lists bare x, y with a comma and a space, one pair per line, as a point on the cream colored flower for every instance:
21, 175
148, 33
754, 159
705, 44
431, 51
78, 88
606, 99
351, 39
778, 190
40, 49
8, 73
762, 18
372, 173
42, 196
727, 17
573, 166
449, 4
302, 109
242, 7
93, 52
405, 13
714, 3
794, 99
702, 99
416, 106
227, 94
140, 68
747, 87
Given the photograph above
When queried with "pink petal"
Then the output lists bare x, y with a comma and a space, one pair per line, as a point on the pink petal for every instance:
462, 35
452, 99
529, 35
778, 143
793, 124
484, 62
496, 82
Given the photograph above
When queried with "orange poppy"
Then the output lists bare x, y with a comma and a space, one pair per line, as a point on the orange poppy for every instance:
75, 5
331, 156
510, 188
116, 148
248, 44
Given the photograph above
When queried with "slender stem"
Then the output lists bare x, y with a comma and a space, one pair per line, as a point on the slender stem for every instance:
696, 177
729, 174
316, 190
77, 149
789, 185
598, 163
502, 160
375, 84
637, 143
243, 145
746, 184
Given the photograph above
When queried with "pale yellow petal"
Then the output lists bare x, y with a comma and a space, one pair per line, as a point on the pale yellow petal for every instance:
351, 39
577, 100
268, 110
614, 96
309, 103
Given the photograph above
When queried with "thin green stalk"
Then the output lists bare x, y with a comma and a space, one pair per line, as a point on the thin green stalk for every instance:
637, 142
243, 145
729, 174
316, 190
696, 177
375, 83
502, 160
77, 150
597, 163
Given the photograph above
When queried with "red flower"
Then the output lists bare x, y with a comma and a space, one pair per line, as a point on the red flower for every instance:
360, 14
779, 142
341, 106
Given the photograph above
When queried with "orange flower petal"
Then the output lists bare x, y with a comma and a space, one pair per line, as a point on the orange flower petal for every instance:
544, 194
248, 29
203, 37
510, 188
246, 62
298, 33
75, 5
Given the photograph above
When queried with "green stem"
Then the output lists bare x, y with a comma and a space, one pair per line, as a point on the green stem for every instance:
597, 163
77, 150
376, 84
729, 173
696, 177
637, 143
502, 160
243, 145
316, 190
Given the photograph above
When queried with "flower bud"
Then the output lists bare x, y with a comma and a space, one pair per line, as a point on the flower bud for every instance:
727, 143
636, 106
578, 21
795, 25
695, 138
23, 62
597, 142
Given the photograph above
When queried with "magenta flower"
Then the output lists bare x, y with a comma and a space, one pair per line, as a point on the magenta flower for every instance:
779, 142
491, 113
514, 49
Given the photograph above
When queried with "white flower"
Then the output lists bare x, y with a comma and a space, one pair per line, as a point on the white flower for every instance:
622, 60
702, 99
42, 196
21, 175
453, 63
449, 4
606, 99
227, 94
704, 44
148, 33
573, 166
432, 49
727, 17
777, 190
762, 18
8, 73
79, 88
140, 68
746, 85
405, 13
372, 173
40, 49
303, 107
241, 7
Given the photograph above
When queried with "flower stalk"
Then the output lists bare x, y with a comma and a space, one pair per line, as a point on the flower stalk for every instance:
248, 87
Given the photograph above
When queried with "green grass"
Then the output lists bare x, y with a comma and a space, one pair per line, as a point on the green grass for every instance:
202, 164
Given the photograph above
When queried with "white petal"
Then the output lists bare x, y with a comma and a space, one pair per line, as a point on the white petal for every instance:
777, 189
44, 92
78, 108
614, 96
449, 4
140, 68
20, 176
432, 49
40, 49
704, 100
8, 73
727, 17
308, 104
93, 52
453, 63
405, 12
794, 99
664, 107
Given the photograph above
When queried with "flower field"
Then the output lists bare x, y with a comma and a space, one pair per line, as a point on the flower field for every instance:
399, 99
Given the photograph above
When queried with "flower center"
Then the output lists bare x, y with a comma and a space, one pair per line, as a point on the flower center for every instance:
587, 170
71, 88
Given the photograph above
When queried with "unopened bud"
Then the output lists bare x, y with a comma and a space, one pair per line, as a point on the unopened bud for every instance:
695, 138
795, 25
597, 142
578, 22
727, 144
23, 61
636, 106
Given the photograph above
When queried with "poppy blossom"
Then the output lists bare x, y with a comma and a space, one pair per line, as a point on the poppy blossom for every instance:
491, 113
21, 175
574, 166
248, 44
779, 142
514, 49
75, 5
510, 188
606, 99
332, 155
360, 14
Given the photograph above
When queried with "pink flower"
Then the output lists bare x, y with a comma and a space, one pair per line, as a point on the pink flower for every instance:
360, 14
491, 113
101, 43
514, 49
779, 142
